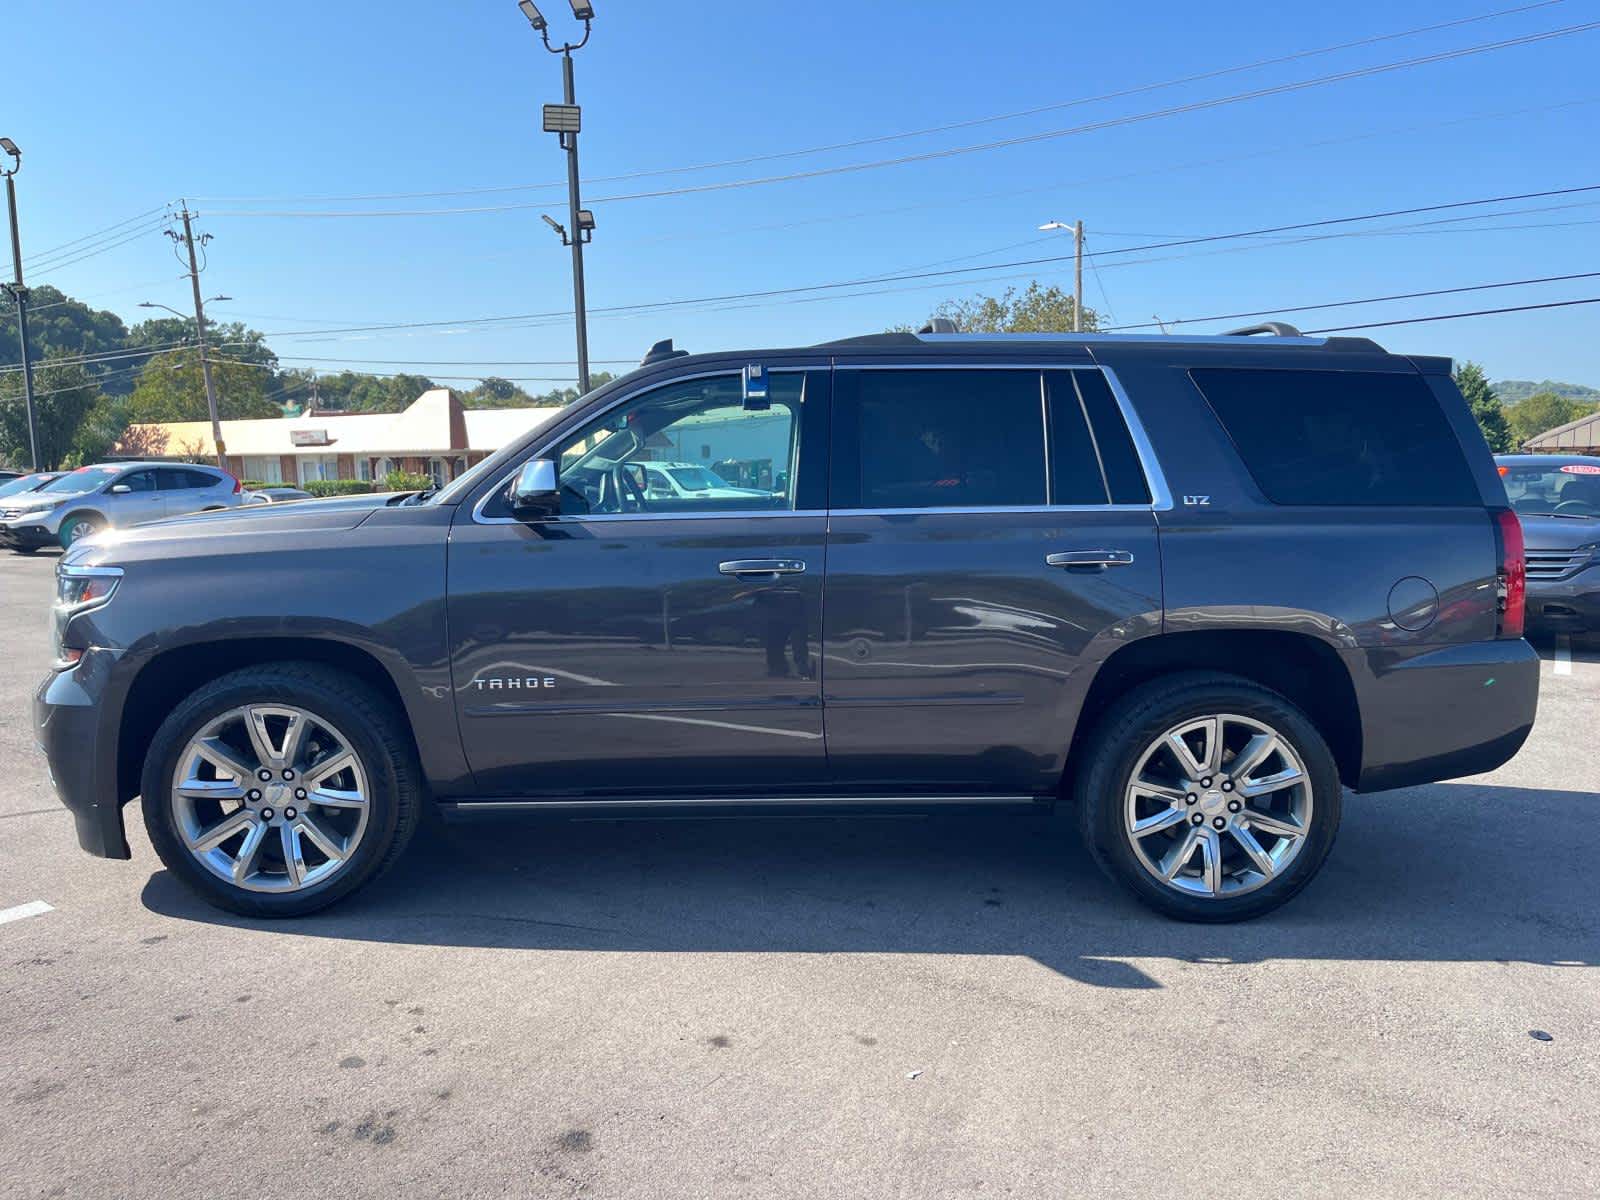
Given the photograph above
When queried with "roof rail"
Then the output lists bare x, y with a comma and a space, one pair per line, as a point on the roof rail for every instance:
1275, 328
660, 352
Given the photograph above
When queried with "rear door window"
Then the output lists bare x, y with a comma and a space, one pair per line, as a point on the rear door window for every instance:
1092, 456
1340, 437
943, 439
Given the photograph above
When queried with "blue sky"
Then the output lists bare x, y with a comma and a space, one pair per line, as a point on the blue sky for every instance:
251, 109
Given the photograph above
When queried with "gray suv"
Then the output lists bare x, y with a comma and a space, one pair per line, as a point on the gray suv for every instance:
1191, 588
111, 495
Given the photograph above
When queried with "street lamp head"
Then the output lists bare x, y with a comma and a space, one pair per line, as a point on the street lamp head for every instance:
1054, 225
582, 10
535, 17
10, 147
214, 299
585, 219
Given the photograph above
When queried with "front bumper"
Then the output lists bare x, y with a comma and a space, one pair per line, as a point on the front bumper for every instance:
18, 535
69, 714
1441, 712
1565, 605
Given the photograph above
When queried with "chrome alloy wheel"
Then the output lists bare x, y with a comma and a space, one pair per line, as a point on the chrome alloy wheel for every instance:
1218, 806
270, 798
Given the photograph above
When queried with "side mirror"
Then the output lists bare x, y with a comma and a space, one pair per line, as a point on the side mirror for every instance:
119, 489
533, 491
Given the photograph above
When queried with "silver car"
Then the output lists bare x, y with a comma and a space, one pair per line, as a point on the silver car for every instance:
111, 495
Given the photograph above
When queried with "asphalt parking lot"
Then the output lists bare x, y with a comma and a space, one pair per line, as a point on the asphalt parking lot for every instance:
898, 1008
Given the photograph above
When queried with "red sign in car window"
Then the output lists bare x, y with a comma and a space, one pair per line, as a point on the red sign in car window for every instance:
1580, 469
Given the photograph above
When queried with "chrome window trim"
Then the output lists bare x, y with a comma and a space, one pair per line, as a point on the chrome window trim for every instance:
622, 398
1155, 480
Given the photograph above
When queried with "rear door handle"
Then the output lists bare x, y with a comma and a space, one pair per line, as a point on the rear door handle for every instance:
750, 568
1097, 559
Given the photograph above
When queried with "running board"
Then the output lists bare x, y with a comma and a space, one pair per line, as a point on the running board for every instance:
678, 806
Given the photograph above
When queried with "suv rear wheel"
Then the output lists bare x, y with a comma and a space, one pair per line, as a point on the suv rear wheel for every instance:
276, 790
1212, 798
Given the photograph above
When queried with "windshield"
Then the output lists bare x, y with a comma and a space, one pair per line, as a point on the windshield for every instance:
1557, 489
23, 483
696, 479
85, 479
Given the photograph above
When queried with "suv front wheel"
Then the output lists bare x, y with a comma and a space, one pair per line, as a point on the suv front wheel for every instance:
1212, 798
275, 790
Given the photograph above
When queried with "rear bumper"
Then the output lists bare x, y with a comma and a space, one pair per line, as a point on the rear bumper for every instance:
1567, 605
1442, 712
68, 715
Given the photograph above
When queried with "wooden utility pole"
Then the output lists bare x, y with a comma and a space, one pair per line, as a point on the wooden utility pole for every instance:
1077, 277
200, 335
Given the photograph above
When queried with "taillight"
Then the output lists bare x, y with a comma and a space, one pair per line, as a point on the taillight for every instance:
237, 486
1512, 585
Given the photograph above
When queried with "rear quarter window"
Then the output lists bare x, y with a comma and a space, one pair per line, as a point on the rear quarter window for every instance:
1340, 437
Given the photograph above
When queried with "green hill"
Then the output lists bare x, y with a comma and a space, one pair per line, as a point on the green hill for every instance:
1512, 390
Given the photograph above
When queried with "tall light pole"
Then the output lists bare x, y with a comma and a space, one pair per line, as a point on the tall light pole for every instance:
19, 293
1077, 269
565, 120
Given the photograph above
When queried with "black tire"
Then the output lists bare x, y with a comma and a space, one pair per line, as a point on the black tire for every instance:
23, 549
375, 731
79, 525
1113, 748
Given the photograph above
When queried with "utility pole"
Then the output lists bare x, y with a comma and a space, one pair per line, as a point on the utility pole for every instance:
200, 333
19, 293
566, 120
1077, 270
1077, 277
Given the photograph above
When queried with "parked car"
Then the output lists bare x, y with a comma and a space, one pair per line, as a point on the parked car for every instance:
275, 495
111, 495
7, 474
1193, 586
679, 481
1558, 498
19, 484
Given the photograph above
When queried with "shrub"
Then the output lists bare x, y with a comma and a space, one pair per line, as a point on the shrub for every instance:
337, 487
255, 485
405, 481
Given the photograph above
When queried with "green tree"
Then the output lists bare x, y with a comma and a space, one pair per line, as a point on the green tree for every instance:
61, 326
1039, 308
63, 395
1538, 413
1486, 410
172, 388
100, 431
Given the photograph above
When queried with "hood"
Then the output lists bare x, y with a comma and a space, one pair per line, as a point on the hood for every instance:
343, 512
1541, 532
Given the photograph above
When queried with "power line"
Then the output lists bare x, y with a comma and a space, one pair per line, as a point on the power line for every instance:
1264, 312
87, 252
953, 271
879, 139
1481, 312
955, 151
31, 259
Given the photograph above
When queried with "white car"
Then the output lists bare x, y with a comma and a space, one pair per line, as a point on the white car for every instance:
685, 481
111, 495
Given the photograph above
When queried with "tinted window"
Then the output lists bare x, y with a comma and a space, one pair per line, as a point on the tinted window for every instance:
84, 479
139, 481
177, 479
1340, 437
948, 439
1124, 474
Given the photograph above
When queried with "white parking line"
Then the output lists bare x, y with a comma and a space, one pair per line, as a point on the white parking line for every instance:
33, 908
1563, 655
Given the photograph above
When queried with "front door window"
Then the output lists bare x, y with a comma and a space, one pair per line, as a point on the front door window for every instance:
687, 447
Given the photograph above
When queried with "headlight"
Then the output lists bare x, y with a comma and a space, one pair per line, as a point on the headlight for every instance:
80, 588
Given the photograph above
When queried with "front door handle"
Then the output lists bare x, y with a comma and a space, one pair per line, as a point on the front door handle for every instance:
1093, 559
751, 568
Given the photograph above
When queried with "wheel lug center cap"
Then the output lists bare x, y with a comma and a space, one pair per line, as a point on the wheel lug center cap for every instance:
1212, 801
